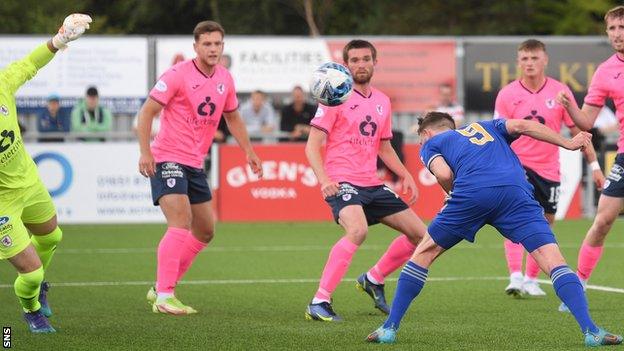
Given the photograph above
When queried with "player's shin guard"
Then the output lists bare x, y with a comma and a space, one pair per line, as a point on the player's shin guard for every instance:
45, 245
411, 282
570, 290
588, 258
27, 289
191, 248
169, 251
399, 251
337, 264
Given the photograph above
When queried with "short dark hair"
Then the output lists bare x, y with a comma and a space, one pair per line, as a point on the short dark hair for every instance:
616, 12
435, 119
92, 91
532, 45
207, 27
358, 44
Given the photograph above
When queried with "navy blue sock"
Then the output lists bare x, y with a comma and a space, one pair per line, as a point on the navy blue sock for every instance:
411, 281
569, 289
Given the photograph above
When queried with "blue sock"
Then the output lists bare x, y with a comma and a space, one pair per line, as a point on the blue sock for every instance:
569, 289
411, 281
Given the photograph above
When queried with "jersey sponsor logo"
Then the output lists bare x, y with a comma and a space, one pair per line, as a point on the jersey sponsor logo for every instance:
366, 123
6, 241
221, 88
7, 137
170, 166
4, 220
201, 109
171, 182
161, 86
535, 116
380, 109
616, 173
4, 110
550, 103
346, 188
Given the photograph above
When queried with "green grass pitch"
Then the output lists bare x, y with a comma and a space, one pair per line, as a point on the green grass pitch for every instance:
252, 284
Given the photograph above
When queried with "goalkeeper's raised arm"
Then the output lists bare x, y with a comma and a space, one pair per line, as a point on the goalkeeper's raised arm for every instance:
19, 72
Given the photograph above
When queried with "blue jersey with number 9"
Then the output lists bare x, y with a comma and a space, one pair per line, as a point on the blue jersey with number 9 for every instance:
479, 155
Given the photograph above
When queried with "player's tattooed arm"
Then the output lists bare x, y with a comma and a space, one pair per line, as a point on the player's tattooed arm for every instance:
443, 173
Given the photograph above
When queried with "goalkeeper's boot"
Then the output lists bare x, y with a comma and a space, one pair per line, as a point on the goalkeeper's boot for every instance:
601, 338
38, 323
375, 291
322, 312
382, 336
43, 299
172, 305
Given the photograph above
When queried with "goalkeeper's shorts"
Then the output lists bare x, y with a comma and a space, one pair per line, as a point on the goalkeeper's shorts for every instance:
32, 205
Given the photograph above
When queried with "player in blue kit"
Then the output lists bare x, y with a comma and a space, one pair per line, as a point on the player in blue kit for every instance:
487, 185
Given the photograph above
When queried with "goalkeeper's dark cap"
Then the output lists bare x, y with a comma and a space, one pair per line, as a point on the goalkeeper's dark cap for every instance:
92, 91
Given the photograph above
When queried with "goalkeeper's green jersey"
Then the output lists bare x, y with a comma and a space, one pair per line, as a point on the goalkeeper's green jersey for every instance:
17, 169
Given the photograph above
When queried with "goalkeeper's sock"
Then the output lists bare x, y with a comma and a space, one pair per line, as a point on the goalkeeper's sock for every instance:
191, 248
399, 251
532, 268
169, 251
27, 287
45, 245
570, 290
411, 282
337, 264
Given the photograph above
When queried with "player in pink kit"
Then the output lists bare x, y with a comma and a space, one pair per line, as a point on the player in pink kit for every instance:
532, 97
606, 83
192, 95
355, 133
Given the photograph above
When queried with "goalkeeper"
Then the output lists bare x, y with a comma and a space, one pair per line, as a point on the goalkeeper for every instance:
25, 205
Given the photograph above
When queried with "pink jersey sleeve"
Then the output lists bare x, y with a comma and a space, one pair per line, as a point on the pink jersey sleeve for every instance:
325, 118
231, 101
167, 86
567, 120
500, 106
386, 133
598, 90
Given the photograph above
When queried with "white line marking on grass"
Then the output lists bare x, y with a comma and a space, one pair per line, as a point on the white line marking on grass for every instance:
283, 248
291, 281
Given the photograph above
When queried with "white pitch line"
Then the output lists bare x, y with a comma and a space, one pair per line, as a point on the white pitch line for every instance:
291, 281
280, 248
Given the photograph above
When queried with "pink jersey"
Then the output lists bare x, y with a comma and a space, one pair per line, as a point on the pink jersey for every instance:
515, 101
607, 82
354, 130
192, 107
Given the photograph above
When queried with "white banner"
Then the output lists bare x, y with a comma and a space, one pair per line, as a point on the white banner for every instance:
570, 167
95, 182
117, 66
274, 65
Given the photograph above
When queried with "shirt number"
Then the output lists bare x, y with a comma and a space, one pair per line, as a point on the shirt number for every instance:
476, 133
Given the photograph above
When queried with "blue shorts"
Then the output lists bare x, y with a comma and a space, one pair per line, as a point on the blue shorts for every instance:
614, 185
512, 210
376, 201
176, 178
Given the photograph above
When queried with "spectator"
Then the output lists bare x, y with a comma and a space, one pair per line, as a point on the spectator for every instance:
89, 116
296, 116
448, 105
53, 119
258, 114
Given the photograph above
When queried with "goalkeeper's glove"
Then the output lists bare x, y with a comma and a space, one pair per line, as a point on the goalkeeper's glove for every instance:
72, 28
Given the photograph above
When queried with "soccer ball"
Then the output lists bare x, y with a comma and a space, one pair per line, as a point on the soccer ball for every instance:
331, 84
